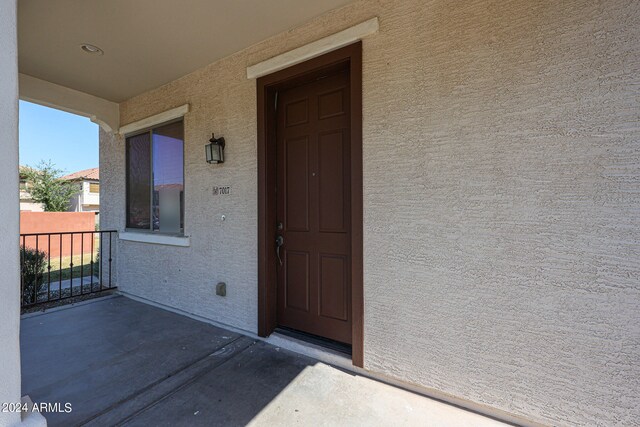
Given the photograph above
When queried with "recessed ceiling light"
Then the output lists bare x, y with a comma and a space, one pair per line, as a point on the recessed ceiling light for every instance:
89, 48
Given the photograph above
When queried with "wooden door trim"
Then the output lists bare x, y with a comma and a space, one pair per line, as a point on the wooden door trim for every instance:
267, 86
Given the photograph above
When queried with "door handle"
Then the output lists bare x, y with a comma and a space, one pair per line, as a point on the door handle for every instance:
279, 243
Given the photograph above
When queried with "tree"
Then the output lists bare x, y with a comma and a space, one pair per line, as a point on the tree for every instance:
46, 187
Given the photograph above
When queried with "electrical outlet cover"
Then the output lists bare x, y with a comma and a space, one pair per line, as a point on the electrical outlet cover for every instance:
221, 289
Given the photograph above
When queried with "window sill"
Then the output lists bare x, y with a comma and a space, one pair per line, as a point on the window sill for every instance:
156, 239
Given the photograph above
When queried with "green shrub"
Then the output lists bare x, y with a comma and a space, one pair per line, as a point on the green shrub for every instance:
33, 267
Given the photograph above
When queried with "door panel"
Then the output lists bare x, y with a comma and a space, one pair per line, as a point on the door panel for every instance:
297, 112
296, 196
334, 295
297, 274
313, 206
331, 104
331, 178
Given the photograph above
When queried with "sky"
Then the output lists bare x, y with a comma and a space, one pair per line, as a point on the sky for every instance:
68, 140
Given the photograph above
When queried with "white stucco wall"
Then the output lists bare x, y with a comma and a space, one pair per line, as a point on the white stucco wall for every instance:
9, 215
98, 110
89, 199
501, 200
85, 200
31, 207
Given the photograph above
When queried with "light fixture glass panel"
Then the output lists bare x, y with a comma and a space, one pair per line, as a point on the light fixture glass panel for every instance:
217, 153
208, 150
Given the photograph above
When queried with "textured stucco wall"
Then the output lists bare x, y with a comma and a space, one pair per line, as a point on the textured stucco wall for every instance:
501, 200
9, 215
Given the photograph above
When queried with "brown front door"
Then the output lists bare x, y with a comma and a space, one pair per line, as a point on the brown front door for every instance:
314, 207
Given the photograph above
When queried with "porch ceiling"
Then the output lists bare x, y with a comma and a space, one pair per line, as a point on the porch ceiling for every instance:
146, 43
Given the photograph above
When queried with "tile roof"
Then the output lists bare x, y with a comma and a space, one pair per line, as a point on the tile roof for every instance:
93, 174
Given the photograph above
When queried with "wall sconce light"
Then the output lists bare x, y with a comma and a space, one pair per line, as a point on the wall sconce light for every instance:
215, 150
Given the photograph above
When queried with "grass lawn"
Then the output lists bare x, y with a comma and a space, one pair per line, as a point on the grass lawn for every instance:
61, 270
43, 283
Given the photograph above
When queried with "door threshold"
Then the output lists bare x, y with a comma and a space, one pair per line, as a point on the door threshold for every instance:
316, 340
319, 352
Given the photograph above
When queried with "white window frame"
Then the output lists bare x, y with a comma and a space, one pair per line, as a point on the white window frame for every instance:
134, 129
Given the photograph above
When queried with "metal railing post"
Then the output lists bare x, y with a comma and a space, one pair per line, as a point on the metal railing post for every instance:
33, 274
110, 259
49, 267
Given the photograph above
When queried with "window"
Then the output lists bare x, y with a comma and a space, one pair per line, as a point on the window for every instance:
94, 187
155, 179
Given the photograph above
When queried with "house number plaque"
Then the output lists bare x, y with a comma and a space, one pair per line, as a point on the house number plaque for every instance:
222, 190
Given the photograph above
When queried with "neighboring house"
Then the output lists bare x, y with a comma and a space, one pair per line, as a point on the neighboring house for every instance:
449, 189
26, 202
88, 197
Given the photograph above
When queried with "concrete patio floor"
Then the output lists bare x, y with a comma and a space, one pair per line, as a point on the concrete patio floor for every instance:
122, 362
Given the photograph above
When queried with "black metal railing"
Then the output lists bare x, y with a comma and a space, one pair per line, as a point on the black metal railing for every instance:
59, 266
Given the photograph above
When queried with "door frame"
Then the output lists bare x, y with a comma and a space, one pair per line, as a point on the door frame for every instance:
267, 86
